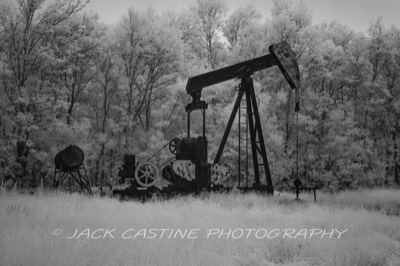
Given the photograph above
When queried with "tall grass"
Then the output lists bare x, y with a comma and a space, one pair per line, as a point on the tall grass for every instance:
27, 223
382, 200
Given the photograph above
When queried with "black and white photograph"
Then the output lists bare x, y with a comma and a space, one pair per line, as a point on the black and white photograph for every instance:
200, 132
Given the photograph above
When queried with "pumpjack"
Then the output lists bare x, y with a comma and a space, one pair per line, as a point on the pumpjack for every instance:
195, 148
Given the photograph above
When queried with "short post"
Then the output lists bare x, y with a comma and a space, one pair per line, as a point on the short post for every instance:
315, 194
297, 184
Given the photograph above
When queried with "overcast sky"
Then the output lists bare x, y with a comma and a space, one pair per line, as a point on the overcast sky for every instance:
357, 14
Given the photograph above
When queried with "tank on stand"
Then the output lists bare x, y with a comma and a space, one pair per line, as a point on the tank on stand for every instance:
69, 167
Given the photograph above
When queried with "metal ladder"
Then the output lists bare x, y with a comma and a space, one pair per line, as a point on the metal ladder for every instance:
243, 147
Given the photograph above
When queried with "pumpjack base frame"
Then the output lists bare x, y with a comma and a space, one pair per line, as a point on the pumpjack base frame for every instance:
134, 193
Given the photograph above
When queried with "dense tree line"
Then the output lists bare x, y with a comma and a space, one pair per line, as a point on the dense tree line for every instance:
65, 78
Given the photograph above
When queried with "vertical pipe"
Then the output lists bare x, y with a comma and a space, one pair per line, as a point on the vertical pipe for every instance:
188, 124
204, 123
297, 108
297, 146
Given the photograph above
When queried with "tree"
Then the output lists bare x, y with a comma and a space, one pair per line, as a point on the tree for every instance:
76, 53
390, 94
238, 20
211, 14
252, 42
27, 32
357, 74
66, 79
291, 24
149, 56
103, 91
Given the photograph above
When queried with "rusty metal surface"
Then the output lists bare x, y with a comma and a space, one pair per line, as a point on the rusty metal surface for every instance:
185, 169
127, 169
287, 63
69, 158
174, 178
220, 172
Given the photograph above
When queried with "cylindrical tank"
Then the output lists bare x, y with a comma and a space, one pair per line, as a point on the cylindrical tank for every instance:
69, 158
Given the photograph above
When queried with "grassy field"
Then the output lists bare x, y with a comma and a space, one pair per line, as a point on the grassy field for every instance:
218, 229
